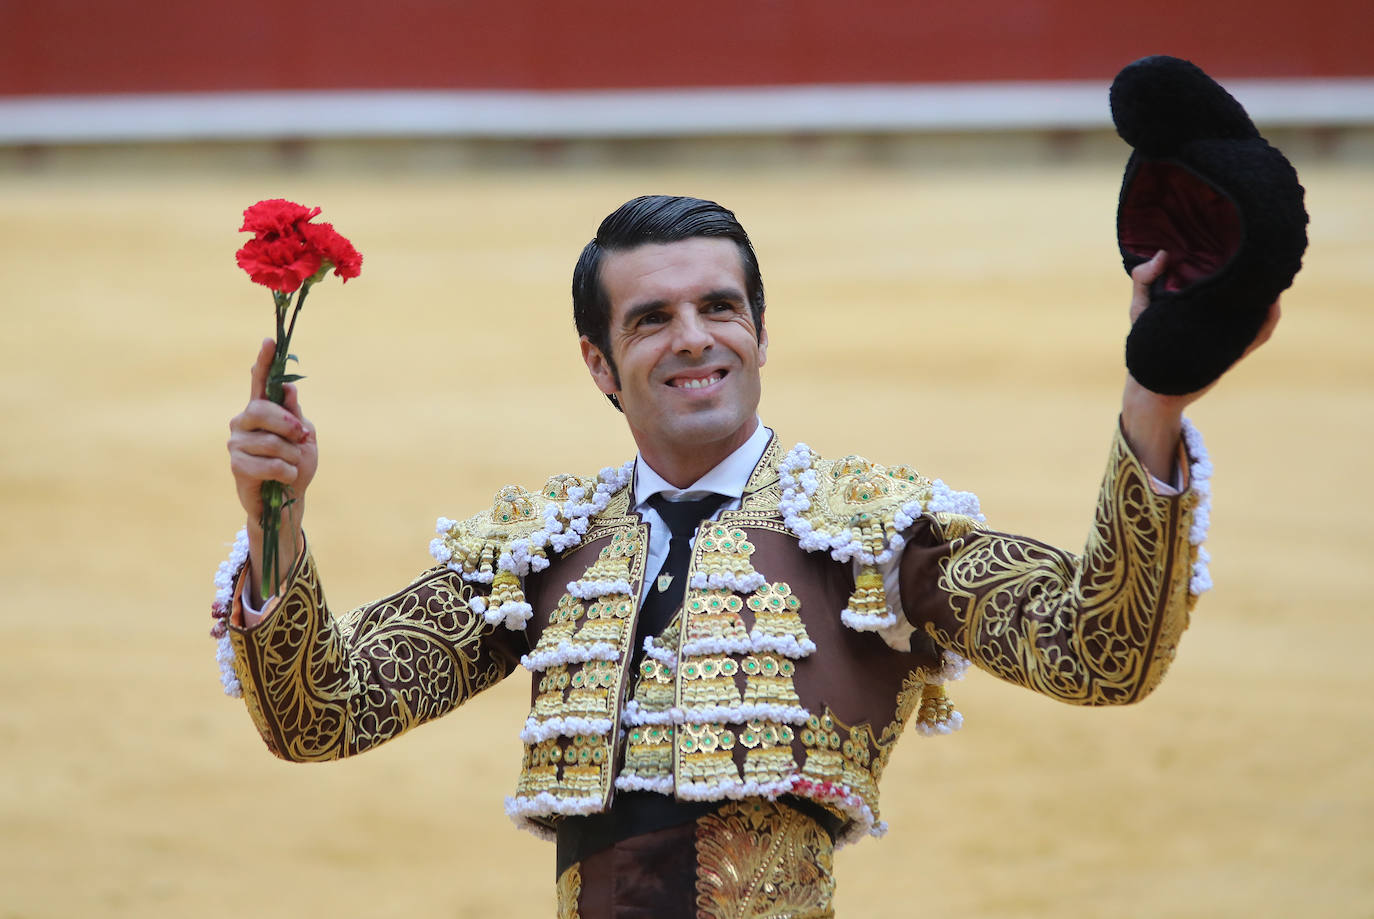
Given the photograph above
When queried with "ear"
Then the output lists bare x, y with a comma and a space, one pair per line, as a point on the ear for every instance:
763, 346
598, 367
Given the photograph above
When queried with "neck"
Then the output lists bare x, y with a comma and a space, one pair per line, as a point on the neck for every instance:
682, 466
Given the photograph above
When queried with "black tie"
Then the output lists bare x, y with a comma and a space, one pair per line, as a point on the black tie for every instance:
683, 518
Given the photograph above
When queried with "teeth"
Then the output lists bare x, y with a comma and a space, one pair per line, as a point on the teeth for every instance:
698, 384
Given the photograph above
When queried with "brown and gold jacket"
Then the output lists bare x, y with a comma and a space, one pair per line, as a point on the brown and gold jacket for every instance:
792, 667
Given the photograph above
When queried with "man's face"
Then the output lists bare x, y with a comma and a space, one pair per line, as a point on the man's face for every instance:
684, 342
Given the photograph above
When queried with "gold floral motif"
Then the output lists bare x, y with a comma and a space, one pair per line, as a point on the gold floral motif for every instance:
649, 751
477, 542
821, 737
777, 614
539, 771
708, 681
585, 765
587, 690
569, 891
758, 858
714, 614
722, 549
589, 693
768, 680
562, 623
769, 756
1099, 630
614, 561
319, 689
654, 690
908, 699
705, 754
856, 770
553, 683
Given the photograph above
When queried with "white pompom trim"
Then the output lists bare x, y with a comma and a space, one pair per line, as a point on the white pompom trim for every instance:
948, 726
569, 653
745, 584
514, 613
867, 622
563, 726
786, 645
628, 781
1200, 482
225, 576
591, 590
665, 656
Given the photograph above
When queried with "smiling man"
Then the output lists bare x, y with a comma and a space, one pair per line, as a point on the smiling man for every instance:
725, 637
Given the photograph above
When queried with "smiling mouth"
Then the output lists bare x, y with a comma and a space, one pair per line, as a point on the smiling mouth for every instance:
697, 382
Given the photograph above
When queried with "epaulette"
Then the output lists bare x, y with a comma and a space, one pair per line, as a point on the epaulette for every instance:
502, 545
858, 511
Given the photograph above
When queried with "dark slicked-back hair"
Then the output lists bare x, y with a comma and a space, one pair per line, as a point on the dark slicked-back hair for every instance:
654, 219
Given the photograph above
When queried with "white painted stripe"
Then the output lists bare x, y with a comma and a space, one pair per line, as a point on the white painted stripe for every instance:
633, 113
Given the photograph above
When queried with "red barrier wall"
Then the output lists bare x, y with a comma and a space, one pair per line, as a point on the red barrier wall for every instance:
71, 46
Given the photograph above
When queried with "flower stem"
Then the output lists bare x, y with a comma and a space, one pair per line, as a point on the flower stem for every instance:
275, 495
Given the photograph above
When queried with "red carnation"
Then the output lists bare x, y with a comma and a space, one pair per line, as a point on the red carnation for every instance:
282, 264
275, 217
288, 254
334, 248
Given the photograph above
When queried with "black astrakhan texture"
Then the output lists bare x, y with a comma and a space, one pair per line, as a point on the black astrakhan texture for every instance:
1172, 112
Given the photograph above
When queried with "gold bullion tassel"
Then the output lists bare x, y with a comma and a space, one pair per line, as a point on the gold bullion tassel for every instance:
505, 588
869, 597
936, 710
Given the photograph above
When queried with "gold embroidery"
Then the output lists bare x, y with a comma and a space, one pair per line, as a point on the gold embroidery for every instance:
539, 770
723, 551
562, 623
552, 684
605, 621
839, 753
769, 756
863, 502
569, 892
584, 767
1098, 630
777, 615
709, 681
714, 615
649, 751
908, 698
705, 754
822, 740
585, 693
757, 858
590, 692
769, 680
320, 689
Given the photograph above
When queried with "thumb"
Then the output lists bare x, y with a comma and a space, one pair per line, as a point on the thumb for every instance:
261, 368
1142, 276
1147, 272
291, 400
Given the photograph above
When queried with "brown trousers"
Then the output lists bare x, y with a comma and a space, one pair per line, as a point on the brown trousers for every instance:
749, 858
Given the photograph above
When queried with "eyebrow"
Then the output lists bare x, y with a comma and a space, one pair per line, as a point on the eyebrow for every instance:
728, 294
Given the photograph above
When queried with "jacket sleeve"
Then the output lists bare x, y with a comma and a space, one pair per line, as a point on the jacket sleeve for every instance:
1095, 629
321, 688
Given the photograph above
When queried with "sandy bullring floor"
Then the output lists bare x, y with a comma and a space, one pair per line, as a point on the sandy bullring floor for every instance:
968, 321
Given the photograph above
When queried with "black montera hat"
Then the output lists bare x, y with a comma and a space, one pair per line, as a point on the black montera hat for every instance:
1205, 186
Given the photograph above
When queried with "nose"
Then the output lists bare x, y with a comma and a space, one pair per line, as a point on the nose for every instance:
691, 335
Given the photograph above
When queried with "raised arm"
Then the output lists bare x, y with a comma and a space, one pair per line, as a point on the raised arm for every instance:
270, 442
1098, 628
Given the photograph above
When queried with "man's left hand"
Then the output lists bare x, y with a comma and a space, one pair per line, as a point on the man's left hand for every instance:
1152, 422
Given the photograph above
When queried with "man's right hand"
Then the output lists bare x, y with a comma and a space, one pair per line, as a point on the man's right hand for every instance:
270, 442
